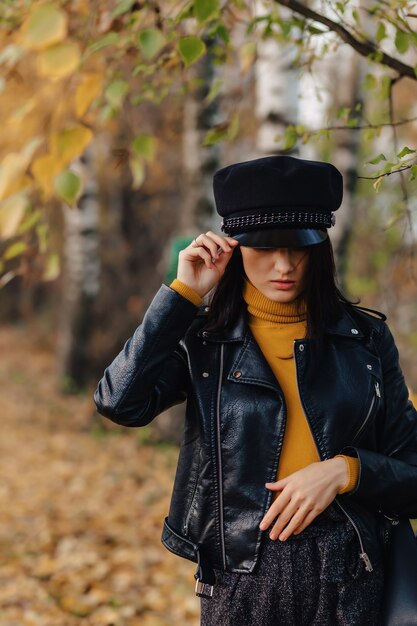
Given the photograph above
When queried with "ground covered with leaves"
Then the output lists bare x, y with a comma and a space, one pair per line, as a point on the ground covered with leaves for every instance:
81, 508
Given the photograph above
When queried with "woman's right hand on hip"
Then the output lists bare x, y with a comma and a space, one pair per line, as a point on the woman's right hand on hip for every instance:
202, 263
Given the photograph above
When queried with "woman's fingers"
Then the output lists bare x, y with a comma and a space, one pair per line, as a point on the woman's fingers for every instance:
212, 241
284, 530
307, 520
276, 508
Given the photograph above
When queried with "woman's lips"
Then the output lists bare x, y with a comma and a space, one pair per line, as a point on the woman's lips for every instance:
283, 284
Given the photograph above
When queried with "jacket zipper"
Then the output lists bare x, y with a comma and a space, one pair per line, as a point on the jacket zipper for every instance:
370, 410
219, 460
363, 555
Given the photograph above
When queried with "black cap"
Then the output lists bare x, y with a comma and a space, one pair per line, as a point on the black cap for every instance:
278, 201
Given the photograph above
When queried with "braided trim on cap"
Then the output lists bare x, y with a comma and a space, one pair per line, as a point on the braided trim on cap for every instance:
304, 218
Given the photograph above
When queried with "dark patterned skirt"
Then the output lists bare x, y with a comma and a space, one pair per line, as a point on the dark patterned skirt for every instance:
315, 578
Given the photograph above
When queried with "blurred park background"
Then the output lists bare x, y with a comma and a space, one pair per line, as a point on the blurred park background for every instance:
115, 115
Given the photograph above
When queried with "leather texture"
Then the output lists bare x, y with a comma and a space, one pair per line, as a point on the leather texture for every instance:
355, 398
399, 607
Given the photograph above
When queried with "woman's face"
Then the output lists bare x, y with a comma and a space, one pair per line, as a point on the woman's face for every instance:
278, 273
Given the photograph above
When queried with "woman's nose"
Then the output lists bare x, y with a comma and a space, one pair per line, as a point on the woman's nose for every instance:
283, 259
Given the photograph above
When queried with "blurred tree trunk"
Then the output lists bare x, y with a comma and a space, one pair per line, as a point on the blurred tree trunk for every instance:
197, 212
276, 82
80, 279
347, 75
339, 79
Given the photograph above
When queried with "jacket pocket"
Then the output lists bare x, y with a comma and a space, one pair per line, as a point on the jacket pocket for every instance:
178, 544
372, 409
190, 508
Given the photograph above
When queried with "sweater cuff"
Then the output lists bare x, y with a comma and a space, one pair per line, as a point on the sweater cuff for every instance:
186, 291
353, 472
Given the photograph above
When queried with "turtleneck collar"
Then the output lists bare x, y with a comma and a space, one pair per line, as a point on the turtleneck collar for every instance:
264, 308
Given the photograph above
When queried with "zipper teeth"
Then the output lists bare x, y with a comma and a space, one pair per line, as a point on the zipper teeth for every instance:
219, 460
353, 524
320, 456
362, 426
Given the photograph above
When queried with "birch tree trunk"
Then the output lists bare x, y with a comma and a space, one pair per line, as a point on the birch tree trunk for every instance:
277, 89
80, 278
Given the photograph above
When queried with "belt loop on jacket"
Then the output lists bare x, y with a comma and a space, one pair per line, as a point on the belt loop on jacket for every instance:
205, 576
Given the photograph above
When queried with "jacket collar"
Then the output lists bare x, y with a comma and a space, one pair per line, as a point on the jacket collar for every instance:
345, 326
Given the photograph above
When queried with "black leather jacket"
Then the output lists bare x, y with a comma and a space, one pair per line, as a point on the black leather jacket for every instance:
355, 399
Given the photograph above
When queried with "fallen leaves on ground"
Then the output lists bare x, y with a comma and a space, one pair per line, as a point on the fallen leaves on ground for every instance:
81, 508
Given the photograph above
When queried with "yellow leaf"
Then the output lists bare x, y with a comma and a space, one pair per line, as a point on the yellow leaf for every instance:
11, 214
52, 269
70, 143
44, 169
59, 61
88, 89
46, 25
247, 55
137, 168
13, 167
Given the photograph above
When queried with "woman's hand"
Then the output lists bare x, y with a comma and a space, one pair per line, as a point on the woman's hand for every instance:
202, 263
304, 494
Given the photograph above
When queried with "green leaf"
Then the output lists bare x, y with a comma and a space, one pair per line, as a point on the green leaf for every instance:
67, 186
343, 113
205, 10
290, 137
222, 31
215, 89
144, 146
191, 49
123, 7
186, 12
215, 135
340, 7
352, 123
150, 41
381, 32
404, 152
402, 41
29, 222
116, 92
369, 82
108, 40
413, 173
233, 127
14, 250
378, 159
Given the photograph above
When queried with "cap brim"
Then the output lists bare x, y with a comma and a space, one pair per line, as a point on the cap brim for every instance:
281, 237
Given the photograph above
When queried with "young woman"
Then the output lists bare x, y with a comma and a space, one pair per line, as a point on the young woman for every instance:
300, 442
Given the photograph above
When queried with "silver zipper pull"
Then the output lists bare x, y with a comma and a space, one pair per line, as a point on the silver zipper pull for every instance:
366, 560
378, 391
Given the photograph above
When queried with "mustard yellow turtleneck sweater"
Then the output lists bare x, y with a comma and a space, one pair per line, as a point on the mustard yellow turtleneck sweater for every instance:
274, 326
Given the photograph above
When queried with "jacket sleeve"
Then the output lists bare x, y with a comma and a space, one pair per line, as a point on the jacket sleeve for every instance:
150, 374
388, 478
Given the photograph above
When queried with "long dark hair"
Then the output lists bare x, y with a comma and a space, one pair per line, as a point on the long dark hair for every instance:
322, 295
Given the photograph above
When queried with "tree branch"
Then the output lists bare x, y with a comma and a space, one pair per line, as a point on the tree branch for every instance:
402, 169
364, 48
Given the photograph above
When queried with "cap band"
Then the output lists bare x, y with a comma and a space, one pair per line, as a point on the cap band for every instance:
312, 219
